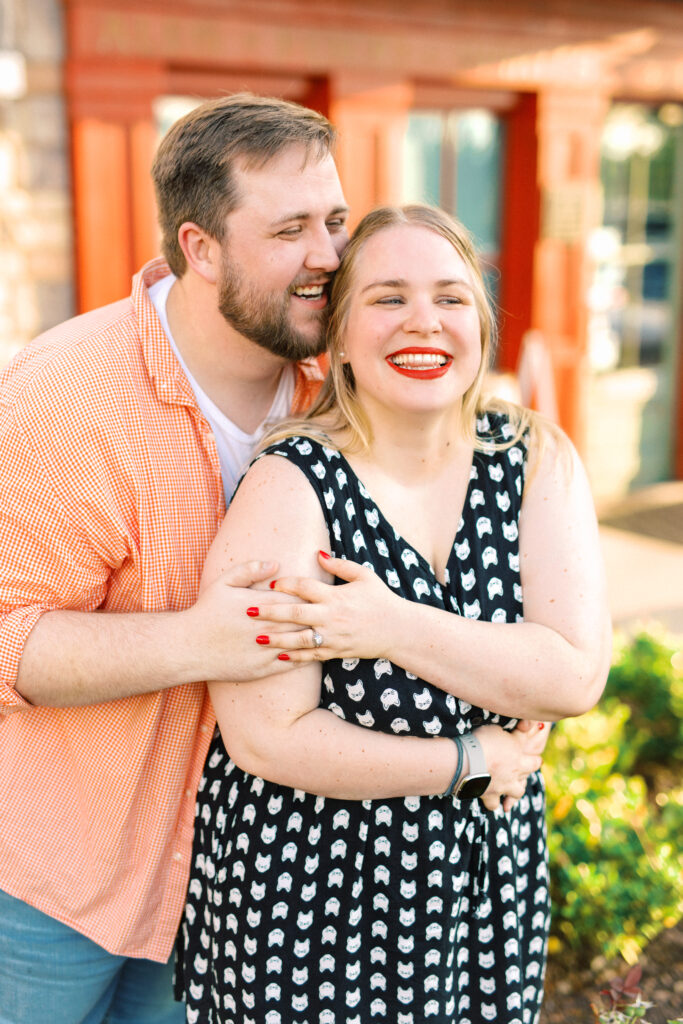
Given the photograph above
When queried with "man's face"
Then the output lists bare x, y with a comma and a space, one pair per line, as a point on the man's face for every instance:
282, 246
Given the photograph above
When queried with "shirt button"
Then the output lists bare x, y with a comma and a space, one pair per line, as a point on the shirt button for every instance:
188, 792
177, 856
203, 728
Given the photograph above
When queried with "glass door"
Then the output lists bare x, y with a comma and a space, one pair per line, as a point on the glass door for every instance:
452, 159
635, 298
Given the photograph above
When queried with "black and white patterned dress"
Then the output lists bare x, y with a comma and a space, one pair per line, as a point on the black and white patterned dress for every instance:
307, 910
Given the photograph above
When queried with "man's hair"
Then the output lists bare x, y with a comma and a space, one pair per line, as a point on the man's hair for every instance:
193, 170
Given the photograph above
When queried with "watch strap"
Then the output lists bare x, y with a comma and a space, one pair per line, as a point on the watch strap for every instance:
475, 754
458, 766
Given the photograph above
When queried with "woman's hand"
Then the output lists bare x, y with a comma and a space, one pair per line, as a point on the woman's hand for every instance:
510, 757
221, 633
541, 730
354, 621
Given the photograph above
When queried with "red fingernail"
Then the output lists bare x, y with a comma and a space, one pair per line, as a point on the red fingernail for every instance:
262, 639
284, 657
252, 611
541, 725
272, 584
324, 554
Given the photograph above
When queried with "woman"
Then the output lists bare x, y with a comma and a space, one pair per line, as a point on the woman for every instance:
353, 860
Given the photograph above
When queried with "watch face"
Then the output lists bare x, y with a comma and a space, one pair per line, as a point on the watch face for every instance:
473, 786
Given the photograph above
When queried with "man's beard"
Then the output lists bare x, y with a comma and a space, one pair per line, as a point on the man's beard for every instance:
264, 319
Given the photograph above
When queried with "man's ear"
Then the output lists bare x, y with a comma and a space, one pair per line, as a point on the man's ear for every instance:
202, 252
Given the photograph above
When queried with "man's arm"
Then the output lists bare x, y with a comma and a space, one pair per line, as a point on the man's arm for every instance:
73, 658
61, 548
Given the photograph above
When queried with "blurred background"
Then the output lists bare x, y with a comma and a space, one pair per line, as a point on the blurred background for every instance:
554, 130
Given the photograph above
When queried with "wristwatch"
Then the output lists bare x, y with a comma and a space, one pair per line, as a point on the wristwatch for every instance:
477, 779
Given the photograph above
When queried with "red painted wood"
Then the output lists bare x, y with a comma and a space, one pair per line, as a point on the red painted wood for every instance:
521, 218
102, 202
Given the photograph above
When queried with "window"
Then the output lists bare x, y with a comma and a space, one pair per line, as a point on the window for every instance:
642, 154
452, 159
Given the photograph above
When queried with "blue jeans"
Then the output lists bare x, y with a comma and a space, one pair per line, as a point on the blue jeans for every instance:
50, 974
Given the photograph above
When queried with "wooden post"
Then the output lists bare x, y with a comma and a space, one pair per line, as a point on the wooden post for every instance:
569, 127
521, 208
371, 117
113, 138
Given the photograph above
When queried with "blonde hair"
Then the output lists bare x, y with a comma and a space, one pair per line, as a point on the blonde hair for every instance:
337, 402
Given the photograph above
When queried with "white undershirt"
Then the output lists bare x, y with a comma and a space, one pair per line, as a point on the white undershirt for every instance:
235, 448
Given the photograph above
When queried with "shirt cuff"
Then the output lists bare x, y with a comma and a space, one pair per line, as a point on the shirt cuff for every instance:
14, 629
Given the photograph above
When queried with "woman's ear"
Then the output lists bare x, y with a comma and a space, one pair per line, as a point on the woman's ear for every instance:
202, 252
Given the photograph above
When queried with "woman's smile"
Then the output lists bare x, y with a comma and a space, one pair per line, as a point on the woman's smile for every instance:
417, 318
420, 363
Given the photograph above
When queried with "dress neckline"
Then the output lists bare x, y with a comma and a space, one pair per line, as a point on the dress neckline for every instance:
423, 561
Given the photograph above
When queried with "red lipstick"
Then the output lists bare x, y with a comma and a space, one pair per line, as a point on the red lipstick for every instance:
423, 371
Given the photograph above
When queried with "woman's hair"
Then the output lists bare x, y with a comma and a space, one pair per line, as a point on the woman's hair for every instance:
337, 406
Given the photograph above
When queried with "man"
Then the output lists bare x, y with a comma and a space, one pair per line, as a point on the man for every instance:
123, 433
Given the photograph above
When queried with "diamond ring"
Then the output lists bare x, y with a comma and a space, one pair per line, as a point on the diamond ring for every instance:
317, 638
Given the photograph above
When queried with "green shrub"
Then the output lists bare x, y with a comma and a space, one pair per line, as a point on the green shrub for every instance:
647, 676
615, 815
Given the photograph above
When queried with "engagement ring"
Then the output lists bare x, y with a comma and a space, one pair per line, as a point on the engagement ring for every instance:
317, 639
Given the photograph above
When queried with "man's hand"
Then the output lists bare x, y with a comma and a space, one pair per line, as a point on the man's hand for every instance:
233, 636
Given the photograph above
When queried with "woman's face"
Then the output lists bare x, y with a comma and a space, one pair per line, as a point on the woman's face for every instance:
413, 335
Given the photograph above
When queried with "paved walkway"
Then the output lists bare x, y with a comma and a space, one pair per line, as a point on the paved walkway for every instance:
642, 540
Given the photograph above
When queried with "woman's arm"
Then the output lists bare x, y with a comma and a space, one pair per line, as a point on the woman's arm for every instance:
274, 728
552, 665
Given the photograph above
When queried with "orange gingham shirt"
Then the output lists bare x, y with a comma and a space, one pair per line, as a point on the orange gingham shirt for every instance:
110, 495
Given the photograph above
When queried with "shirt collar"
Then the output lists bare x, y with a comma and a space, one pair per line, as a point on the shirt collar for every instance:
167, 375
